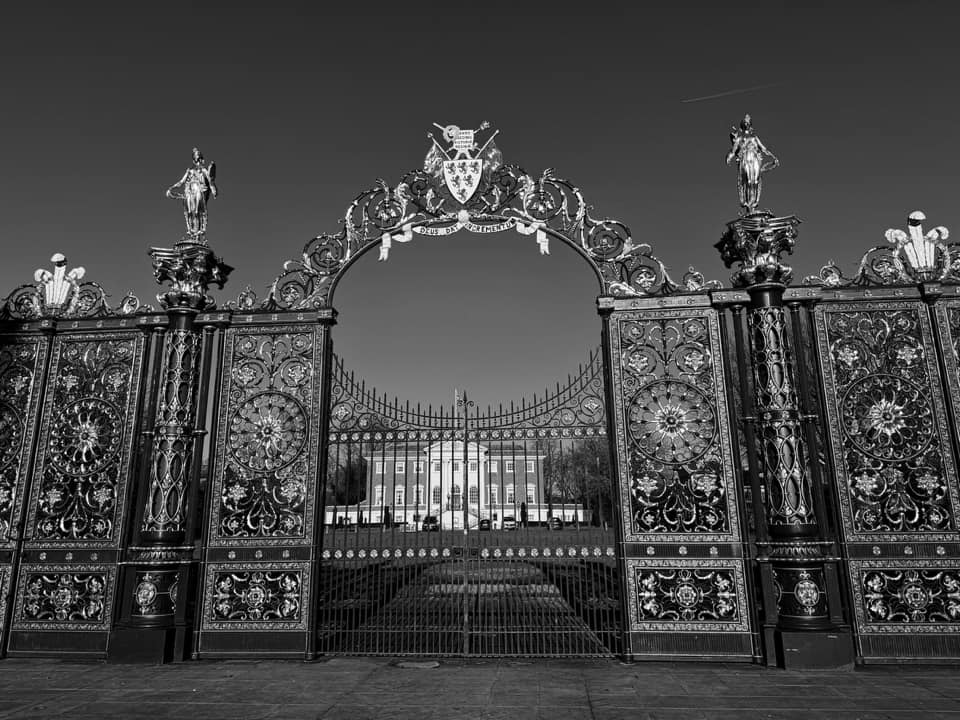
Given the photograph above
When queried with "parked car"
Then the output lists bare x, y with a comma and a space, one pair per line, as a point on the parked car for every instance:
509, 522
430, 524
554, 523
484, 524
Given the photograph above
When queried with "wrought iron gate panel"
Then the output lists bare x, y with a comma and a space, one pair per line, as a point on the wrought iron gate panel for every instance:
77, 505
22, 359
422, 558
263, 492
895, 471
679, 508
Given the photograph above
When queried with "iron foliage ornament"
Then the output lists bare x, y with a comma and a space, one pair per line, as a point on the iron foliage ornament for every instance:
909, 257
465, 185
62, 293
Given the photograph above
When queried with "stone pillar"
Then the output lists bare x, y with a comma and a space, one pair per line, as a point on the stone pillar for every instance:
160, 556
806, 635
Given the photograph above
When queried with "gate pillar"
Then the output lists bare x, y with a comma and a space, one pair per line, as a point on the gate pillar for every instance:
159, 571
794, 570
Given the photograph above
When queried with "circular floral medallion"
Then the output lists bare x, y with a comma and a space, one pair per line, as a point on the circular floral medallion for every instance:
145, 594
268, 431
807, 593
915, 595
686, 595
671, 421
11, 434
85, 437
887, 417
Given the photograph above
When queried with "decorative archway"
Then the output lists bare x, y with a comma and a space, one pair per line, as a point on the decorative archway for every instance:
467, 187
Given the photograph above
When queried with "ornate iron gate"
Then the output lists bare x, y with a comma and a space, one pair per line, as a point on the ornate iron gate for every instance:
459, 532
683, 550
892, 443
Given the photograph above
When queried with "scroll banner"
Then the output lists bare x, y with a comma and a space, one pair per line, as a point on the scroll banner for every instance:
406, 234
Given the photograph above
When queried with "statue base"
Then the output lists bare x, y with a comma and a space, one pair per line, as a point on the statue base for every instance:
755, 242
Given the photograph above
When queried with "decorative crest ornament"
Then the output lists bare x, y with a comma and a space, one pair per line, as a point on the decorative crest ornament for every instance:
909, 257
59, 293
753, 159
505, 197
195, 189
468, 164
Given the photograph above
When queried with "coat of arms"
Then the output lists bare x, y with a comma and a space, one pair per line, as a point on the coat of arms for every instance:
464, 163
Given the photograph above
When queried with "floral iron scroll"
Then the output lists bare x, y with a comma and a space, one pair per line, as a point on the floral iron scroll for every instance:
467, 187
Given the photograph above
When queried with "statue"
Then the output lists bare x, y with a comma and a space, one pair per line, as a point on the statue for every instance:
195, 188
754, 160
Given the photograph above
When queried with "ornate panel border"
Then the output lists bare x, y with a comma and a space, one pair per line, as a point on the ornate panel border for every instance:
948, 323
59, 600
935, 427
704, 363
5, 573
246, 596
92, 447
273, 424
912, 587
22, 360
675, 588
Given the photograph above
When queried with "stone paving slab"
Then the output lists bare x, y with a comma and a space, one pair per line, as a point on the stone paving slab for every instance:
381, 689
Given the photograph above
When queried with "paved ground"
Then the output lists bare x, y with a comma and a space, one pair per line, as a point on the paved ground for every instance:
356, 688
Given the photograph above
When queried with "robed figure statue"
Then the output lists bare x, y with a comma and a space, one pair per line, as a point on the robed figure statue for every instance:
754, 160
195, 188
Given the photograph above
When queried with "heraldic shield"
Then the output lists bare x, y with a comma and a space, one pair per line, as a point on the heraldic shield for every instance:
463, 177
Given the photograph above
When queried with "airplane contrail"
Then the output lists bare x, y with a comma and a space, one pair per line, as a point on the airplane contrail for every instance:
730, 92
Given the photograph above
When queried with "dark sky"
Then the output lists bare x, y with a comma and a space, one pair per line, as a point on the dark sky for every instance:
303, 106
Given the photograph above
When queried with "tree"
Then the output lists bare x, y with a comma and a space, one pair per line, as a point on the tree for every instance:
346, 480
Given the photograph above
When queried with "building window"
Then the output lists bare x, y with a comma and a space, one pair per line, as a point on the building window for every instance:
419, 469
400, 468
436, 495
378, 495
531, 493
418, 495
456, 466
510, 496
473, 466
455, 498
378, 467
493, 494
509, 466
474, 495
531, 466
493, 466
436, 467
398, 496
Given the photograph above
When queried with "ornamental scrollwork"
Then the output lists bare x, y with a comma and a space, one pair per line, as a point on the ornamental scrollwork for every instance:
476, 192
894, 465
911, 595
86, 436
20, 359
60, 293
677, 479
268, 442
257, 596
67, 598
909, 257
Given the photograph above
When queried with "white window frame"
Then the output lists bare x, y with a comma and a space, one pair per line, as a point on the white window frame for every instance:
418, 468
493, 467
399, 495
531, 494
473, 495
492, 492
472, 466
436, 495
509, 466
531, 466
511, 495
418, 494
437, 466
378, 467
456, 466
400, 467
378, 494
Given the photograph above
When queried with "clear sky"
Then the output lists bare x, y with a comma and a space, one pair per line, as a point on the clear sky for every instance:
302, 106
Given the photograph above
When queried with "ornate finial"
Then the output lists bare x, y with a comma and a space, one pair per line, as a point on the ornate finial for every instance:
910, 257
60, 289
195, 188
926, 255
464, 163
190, 268
754, 159
756, 243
